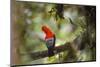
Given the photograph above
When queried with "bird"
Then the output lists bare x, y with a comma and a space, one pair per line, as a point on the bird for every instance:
49, 39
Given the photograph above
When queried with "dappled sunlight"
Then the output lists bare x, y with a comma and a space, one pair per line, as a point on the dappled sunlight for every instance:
70, 26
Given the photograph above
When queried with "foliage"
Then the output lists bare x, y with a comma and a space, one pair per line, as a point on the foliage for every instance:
70, 23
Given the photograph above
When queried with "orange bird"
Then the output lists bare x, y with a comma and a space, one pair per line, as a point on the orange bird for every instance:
50, 40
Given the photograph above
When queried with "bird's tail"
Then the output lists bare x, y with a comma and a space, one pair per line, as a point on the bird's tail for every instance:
50, 52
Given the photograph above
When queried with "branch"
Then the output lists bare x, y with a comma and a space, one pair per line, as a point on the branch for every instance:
58, 49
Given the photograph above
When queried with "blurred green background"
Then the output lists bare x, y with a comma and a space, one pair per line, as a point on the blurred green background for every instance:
70, 23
